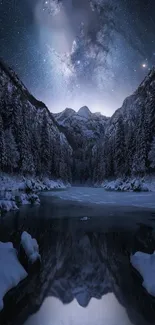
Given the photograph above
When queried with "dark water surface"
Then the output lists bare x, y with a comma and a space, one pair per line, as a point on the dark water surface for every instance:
85, 277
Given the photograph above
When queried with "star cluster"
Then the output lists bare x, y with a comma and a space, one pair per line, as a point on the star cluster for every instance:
79, 52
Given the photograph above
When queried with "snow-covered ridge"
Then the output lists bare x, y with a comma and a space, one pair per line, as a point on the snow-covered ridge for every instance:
63, 118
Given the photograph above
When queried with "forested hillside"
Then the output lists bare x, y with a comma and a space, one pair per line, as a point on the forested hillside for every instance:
30, 141
128, 147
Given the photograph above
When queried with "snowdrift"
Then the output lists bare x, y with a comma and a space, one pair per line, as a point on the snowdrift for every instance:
11, 271
145, 264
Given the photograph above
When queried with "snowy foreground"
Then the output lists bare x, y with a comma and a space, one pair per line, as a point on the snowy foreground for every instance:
11, 270
26, 190
145, 264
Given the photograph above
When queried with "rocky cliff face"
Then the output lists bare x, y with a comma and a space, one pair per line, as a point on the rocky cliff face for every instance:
30, 140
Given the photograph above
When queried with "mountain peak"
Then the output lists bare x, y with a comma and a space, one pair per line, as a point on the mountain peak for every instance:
84, 112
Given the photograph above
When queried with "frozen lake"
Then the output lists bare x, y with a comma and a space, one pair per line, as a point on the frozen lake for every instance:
90, 195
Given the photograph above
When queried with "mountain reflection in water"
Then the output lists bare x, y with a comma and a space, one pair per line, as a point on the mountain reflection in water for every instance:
86, 276
107, 311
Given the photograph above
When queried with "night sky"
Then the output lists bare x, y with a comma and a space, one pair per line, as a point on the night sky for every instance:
72, 53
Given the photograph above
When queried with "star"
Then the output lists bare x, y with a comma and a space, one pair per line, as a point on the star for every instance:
144, 65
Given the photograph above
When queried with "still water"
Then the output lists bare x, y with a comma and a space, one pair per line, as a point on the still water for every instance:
86, 236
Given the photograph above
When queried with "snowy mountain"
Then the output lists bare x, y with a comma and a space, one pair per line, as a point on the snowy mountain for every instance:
85, 112
82, 129
30, 140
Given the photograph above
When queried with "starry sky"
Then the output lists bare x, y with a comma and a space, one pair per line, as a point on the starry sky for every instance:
71, 53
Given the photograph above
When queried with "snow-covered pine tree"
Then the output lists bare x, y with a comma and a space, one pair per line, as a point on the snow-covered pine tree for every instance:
45, 146
119, 155
140, 156
2, 146
12, 154
27, 163
152, 154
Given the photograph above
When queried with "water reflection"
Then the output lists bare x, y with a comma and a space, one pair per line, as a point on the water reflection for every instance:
86, 276
107, 311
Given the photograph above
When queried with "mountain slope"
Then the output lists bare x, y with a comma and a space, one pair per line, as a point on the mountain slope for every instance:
82, 129
129, 136
30, 140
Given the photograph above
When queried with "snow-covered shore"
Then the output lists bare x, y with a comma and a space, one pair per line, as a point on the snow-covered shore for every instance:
20, 183
12, 270
130, 184
19, 190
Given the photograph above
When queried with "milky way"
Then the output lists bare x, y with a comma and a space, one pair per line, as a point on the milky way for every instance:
79, 52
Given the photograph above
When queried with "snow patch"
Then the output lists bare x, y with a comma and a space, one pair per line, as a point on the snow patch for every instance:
84, 219
11, 271
30, 247
7, 202
145, 264
29, 199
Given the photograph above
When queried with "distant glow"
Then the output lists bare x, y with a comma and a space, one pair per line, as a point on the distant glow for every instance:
104, 311
76, 52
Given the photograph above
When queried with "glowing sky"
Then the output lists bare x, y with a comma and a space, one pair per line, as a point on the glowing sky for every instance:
72, 53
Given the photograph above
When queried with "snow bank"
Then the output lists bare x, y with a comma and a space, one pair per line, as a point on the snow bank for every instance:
135, 185
11, 271
7, 206
20, 183
50, 184
145, 264
28, 199
30, 247
25, 188
7, 202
